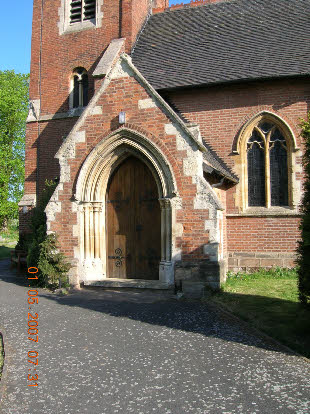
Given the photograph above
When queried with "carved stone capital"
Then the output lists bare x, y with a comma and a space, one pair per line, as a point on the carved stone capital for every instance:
165, 203
97, 206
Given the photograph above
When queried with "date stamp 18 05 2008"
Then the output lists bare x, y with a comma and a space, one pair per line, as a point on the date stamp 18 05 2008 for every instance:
33, 329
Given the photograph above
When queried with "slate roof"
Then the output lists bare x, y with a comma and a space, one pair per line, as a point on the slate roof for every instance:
236, 40
214, 163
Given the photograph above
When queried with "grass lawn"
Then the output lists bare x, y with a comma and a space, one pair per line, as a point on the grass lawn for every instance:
8, 241
268, 300
11, 234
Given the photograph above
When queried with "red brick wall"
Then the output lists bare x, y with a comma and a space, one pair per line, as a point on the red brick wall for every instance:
263, 234
31, 158
212, 115
194, 234
133, 17
62, 53
42, 142
34, 91
50, 139
124, 94
221, 111
162, 5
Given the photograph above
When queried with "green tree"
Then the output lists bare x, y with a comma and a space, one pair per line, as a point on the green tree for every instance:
13, 114
304, 244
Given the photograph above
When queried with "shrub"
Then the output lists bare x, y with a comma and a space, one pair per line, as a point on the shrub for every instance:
38, 229
304, 244
52, 263
42, 249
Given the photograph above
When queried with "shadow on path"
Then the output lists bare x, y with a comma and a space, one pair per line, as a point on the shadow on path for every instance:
154, 308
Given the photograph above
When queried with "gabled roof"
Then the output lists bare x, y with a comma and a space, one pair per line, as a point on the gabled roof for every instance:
213, 163
236, 40
122, 64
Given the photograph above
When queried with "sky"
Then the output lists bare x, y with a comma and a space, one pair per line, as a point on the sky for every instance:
16, 36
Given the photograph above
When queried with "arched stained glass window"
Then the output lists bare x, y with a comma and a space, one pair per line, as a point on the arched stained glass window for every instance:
278, 169
267, 166
256, 170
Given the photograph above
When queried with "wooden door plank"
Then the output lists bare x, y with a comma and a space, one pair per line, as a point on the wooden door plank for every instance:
133, 223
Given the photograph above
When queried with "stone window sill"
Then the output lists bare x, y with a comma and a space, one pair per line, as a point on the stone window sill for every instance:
267, 212
73, 112
78, 27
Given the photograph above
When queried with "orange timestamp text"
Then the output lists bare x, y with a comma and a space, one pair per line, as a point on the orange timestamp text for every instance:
33, 329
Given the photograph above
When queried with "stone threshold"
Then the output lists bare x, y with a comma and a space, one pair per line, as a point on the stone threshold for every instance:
128, 283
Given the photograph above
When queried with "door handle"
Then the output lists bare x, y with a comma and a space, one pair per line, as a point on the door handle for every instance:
120, 257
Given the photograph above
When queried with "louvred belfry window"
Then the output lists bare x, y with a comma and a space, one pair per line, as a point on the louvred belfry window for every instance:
82, 10
267, 166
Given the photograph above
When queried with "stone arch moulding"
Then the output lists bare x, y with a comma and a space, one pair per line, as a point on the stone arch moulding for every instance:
240, 151
90, 195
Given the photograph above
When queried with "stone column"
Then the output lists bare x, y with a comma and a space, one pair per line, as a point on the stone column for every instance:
91, 232
166, 273
87, 232
90, 241
166, 228
82, 232
96, 212
102, 236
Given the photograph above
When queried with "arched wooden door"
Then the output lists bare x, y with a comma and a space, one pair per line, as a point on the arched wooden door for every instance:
133, 222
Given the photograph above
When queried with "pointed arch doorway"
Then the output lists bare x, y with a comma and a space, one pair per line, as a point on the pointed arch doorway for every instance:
133, 222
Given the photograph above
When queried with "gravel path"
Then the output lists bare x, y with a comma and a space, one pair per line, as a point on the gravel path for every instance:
128, 352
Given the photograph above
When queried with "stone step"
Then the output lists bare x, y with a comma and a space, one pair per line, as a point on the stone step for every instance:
129, 283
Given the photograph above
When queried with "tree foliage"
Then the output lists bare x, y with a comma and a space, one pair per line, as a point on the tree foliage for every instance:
13, 114
304, 244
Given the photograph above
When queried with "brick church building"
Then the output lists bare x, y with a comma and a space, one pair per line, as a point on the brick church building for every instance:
173, 134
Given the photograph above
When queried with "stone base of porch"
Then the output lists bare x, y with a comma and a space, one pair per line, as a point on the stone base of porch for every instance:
128, 283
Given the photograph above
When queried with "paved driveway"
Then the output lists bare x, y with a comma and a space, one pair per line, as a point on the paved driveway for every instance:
111, 352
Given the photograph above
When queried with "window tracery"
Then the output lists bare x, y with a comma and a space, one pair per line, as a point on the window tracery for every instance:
266, 145
267, 149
